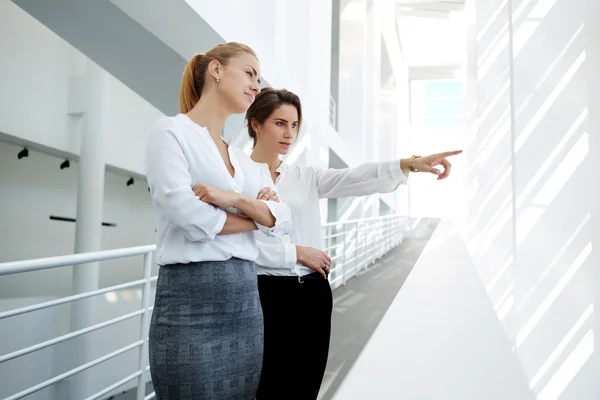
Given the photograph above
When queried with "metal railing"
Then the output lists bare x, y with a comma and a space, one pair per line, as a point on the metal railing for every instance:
332, 112
353, 246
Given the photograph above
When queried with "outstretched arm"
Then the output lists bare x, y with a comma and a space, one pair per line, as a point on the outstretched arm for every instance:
370, 178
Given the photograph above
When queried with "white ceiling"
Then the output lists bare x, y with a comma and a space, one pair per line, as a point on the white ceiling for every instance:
432, 33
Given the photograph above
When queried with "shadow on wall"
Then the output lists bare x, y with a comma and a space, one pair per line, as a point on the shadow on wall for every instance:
530, 233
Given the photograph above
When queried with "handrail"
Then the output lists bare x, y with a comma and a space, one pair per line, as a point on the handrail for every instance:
115, 385
38, 264
74, 371
353, 245
68, 336
69, 299
352, 221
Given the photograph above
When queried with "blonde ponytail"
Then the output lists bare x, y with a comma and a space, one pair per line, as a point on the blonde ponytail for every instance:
191, 84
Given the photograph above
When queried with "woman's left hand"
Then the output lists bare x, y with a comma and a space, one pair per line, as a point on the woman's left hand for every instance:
216, 197
428, 163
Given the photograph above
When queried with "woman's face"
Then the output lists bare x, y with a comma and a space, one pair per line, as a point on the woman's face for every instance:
279, 131
239, 82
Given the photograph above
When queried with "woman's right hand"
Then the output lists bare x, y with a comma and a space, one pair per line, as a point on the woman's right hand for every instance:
216, 197
268, 195
314, 259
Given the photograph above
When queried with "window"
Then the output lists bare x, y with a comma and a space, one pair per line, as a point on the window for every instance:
436, 103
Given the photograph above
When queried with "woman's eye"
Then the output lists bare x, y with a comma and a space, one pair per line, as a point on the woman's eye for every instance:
249, 74
279, 123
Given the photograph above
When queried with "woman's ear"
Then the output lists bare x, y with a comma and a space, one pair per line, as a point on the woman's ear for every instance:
214, 69
255, 125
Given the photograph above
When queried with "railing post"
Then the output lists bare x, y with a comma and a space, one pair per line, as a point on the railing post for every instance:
355, 257
343, 257
144, 327
391, 234
365, 258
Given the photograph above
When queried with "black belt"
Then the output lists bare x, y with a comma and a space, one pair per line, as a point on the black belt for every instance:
315, 276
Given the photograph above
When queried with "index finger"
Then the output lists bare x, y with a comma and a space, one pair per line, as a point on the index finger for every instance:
449, 153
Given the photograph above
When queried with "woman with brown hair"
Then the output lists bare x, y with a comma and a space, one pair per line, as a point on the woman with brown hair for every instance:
294, 292
206, 332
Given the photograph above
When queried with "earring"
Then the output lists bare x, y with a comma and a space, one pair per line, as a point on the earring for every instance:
218, 79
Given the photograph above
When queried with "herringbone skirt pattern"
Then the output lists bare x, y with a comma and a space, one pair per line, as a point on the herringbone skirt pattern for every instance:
206, 332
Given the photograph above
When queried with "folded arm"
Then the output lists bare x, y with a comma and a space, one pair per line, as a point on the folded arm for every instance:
170, 183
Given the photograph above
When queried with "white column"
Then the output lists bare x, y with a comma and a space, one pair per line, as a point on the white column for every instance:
372, 104
372, 82
316, 101
351, 102
90, 197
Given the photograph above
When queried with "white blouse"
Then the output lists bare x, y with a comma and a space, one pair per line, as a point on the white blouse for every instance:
301, 188
181, 154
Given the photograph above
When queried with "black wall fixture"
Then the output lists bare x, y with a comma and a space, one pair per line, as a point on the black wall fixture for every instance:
67, 219
65, 164
130, 182
23, 153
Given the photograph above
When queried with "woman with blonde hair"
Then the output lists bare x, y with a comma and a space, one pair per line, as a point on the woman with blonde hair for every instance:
206, 332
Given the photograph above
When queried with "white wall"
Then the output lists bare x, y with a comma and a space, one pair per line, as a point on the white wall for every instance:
531, 226
35, 90
231, 18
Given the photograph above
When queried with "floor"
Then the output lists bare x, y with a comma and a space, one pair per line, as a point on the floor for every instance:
442, 339
360, 305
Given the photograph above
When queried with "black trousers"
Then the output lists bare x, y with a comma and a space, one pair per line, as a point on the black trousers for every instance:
297, 317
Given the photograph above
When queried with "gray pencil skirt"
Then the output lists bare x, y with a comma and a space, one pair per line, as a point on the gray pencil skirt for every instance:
206, 332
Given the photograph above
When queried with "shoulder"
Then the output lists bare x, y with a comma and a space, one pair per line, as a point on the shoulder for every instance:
310, 171
305, 173
165, 133
164, 125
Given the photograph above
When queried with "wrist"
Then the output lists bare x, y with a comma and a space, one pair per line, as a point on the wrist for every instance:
299, 254
408, 164
238, 200
405, 166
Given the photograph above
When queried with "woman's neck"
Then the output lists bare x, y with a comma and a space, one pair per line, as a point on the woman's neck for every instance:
209, 114
263, 157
